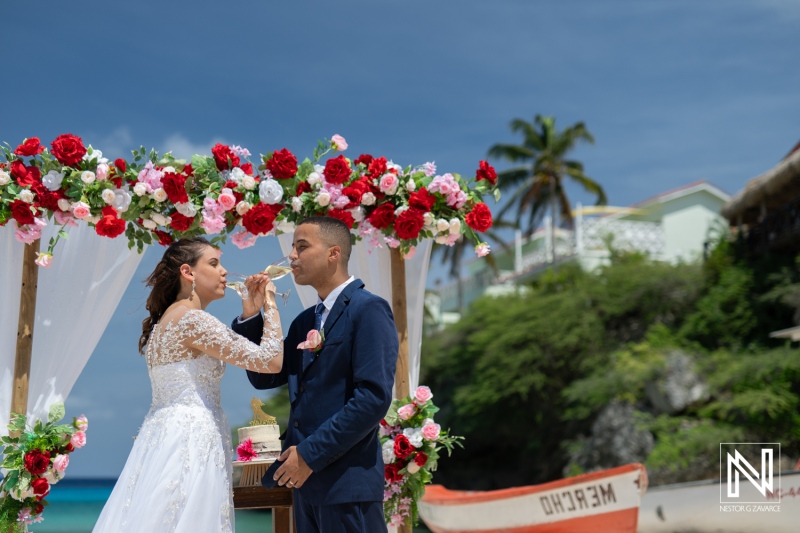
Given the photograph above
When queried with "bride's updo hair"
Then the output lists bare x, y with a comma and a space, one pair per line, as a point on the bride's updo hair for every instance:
166, 281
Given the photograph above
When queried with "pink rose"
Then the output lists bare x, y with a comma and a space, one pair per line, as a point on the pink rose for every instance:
244, 239
65, 219
407, 411
423, 394
482, 249
227, 200
102, 172
44, 260
60, 463
78, 439
339, 143
212, 224
430, 431
82, 423
388, 183
80, 210
392, 242
212, 206
410, 253
313, 340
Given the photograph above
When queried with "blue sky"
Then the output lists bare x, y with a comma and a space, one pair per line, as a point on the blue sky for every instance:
673, 91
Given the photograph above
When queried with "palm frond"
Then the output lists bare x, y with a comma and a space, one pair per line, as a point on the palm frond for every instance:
589, 185
513, 177
510, 152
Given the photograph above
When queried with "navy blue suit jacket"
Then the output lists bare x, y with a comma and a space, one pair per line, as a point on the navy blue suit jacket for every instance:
338, 395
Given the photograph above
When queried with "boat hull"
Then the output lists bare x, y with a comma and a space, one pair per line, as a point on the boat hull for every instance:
600, 501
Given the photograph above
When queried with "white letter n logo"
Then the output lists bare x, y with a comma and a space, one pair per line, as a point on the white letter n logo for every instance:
737, 464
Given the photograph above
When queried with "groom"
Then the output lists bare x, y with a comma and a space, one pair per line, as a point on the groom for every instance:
339, 392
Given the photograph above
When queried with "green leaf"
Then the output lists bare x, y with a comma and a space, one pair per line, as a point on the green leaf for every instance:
56, 412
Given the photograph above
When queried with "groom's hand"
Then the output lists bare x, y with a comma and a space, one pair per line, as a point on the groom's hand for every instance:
256, 286
294, 471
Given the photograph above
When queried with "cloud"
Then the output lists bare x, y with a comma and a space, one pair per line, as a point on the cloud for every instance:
183, 148
116, 144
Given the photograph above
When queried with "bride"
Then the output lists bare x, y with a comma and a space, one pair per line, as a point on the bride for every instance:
178, 475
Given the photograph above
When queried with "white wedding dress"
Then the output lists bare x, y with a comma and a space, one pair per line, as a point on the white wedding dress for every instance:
178, 474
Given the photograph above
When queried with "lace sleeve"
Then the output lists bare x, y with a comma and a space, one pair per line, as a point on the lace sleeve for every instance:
207, 334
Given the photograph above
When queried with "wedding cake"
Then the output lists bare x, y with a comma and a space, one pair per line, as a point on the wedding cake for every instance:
263, 435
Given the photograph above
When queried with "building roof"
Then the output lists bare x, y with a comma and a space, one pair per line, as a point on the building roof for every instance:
683, 191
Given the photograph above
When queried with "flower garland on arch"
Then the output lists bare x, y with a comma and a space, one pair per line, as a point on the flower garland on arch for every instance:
157, 198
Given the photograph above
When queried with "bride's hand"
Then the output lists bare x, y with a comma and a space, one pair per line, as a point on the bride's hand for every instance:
256, 287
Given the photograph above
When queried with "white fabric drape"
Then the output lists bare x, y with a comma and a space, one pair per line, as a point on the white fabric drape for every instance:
373, 266
76, 298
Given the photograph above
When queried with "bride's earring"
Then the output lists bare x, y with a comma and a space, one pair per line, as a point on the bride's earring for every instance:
191, 296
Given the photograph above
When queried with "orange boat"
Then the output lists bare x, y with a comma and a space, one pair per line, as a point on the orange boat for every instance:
603, 501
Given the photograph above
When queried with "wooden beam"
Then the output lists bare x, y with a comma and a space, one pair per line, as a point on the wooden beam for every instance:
400, 310
27, 316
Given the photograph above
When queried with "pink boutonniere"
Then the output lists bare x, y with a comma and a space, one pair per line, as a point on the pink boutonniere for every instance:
313, 341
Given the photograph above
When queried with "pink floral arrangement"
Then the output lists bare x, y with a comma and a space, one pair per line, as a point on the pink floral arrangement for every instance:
410, 441
33, 462
157, 198
245, 451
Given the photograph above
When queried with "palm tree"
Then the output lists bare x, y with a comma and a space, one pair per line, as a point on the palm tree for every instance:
538, 182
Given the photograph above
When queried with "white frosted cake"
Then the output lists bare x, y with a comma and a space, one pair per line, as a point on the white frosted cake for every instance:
264, 438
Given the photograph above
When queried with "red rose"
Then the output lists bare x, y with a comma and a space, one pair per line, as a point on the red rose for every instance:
363, 159
222, 155
392, 473
25, 176
110, 226
344, 216
117, 181
409, 224
247, 168
121, 164
40, 487
260, 218
420, 459
377, 167
480, 218
69, 448
188, 170
382, 217
487, 172
402, 447
36, 462
282, 165
337, 170
30, 147
355, 191
164, 238
302, 187
181, 222
175, 187
21, 212
68, 149
422, 199
39, 509
48, 199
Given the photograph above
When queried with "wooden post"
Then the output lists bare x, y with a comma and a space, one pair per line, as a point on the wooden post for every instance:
27, 315
400, 310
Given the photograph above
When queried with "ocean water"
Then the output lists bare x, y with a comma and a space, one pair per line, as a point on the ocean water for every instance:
75, 505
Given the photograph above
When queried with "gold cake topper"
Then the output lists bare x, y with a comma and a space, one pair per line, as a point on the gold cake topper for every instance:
260, 417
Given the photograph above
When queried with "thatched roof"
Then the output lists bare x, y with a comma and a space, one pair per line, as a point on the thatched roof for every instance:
773, 188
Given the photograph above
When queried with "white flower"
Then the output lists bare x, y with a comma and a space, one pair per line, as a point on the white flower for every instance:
243, 207
428, 219
455, 226
442, 225
168, 169
108, 196
52, 180
186, 209
413, 468
392, 165
270, 192
286, 226
64, 204
323, 198
94, 220
122, 199
51, 477
314, 178
319, 169
414, 436
159, 219
411, 186
5, 178
87, 176
237, 175
140, 189
387, 451
441, 239
297, 204
149, 224
368, 199
95, 155
26, 196
159, 195
358, 214
399, 210
249, 182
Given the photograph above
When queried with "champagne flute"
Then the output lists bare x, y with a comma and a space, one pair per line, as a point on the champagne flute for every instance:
275, 271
